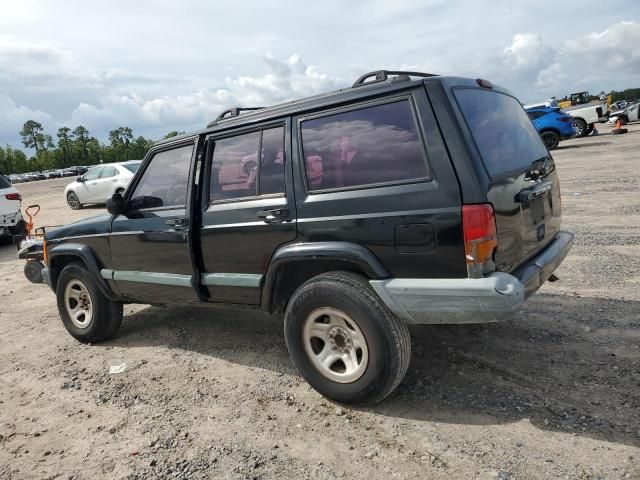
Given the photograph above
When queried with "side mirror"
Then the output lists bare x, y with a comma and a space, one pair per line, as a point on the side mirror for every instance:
80, 179
116, 204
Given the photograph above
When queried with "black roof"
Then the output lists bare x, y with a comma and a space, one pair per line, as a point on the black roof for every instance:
384, 81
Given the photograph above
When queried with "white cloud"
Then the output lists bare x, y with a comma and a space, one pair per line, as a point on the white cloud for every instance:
285, 80
13, 116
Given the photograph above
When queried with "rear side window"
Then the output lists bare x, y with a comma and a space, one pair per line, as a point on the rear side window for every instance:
236, 171
132, 167
4, 183
368, 146
93, 174
164, 181
502, 131
108, 172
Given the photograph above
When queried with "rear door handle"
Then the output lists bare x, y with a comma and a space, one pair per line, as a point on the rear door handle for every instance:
277, 215
176, 222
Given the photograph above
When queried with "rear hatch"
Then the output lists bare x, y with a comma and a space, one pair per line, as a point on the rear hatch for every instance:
523, 184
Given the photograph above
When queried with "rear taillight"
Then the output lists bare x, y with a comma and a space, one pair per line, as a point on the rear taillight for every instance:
480, 238
13, 196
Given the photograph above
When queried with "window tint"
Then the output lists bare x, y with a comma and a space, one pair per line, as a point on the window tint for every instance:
108, 172
4, 183
93, 174
272, 163
371, 145
164, 182
234, 167
504, 134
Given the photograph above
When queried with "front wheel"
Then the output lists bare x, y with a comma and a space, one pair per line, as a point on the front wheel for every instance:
344, 341
73, 201
550, 139
87, 314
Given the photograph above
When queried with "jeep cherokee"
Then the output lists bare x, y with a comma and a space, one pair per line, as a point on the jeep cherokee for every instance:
400, 200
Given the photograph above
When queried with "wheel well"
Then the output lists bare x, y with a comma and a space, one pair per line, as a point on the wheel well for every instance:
56, 265
553, 130
292, 275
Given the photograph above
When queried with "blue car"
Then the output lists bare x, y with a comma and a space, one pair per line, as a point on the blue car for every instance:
552, 124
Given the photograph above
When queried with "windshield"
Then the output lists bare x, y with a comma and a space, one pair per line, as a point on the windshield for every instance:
501, 129
132, 167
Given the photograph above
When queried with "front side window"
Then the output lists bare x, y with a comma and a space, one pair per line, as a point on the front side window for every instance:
368, 146
237, 171
164, 182
93, 174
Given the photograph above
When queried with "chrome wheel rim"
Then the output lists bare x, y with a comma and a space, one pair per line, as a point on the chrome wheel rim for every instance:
72, 200
78, 302
335, 345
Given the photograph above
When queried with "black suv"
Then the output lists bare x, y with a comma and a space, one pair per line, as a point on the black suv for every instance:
396, 201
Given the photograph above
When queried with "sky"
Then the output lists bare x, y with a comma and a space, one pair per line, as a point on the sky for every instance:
160, 65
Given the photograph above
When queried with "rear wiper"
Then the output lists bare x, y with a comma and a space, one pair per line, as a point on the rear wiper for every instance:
538, 168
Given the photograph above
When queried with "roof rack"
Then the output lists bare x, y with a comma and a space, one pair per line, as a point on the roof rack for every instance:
234, 112
382, 75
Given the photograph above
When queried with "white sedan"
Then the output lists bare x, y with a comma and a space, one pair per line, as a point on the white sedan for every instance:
11, 222
100, 182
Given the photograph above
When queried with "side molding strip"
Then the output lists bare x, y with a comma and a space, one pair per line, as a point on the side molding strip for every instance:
250, 280
174, 279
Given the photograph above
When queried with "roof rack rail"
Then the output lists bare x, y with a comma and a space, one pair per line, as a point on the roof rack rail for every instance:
234, 112
382, 75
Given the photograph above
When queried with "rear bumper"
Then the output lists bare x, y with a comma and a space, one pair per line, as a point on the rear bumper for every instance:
494, 298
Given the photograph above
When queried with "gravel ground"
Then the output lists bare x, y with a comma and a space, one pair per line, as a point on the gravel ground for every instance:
554, 393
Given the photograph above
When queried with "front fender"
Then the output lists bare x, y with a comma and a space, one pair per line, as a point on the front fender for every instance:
85, 255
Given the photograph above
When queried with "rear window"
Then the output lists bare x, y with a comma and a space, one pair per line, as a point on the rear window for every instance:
368, 146
4, 183
502, 131
132, 167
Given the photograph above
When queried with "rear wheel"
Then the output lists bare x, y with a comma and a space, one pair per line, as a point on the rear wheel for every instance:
580, 126
73, 201
550, 139
343, 339
86, 313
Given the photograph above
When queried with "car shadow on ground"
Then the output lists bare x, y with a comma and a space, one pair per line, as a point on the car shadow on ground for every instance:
581, 145
565, 363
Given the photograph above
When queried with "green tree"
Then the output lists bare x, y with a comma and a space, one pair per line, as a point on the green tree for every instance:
65, 146
81, 143
173, 133
32, 136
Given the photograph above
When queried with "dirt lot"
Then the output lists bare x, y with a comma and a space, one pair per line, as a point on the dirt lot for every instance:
554, 393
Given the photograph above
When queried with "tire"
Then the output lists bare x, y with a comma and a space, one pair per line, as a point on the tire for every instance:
98, 321
73, 201
343, 304
580, 126
590, 129
551, 139
33, 271
619, 131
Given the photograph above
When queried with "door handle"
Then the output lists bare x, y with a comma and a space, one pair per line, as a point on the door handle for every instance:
176, 222
277, 215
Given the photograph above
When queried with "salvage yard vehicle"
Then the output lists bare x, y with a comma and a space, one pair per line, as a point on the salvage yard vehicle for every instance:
428, 200
100, 183
628, 114
552, 124
11, 222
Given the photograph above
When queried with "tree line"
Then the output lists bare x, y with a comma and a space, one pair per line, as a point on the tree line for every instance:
71, 147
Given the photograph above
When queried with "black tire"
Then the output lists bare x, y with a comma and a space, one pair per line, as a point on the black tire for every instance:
590, 128
73, 201
387, 337
619, 131
580, 126
551, 139
106, 316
